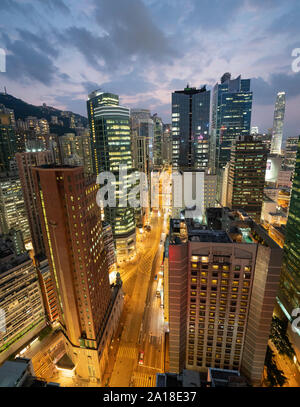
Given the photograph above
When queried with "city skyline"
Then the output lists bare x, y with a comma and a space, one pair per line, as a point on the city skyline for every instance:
105, 55
150, 227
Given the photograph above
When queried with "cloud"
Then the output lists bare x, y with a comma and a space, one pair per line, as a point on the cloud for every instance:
54, 5
130, 29
288, 22
129, 84
264, 92
24, 61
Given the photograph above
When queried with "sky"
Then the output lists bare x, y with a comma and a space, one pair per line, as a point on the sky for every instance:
57, 51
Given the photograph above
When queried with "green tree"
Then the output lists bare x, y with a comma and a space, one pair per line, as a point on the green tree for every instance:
275, 376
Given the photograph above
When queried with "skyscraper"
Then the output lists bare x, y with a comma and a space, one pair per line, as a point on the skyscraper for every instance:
290, 153
76, 150
278, 123
246, 176
26, 161
190, 128
167, 144
289, 297
89, 307
158, 139
221, 294
231, 117
8, 141
13, 213
111, 148
20, 298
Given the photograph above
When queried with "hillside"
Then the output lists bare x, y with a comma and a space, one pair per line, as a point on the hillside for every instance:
23, 109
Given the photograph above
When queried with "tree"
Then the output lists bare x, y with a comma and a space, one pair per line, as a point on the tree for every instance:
279, 337
275, 377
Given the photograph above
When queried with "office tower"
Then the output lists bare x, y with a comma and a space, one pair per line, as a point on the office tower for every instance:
246, 176
278, 123
20, 298
8, 142
190, 128
76, 150
108, 241
222, 288
111, 147
225, 177
210, 190
231, 117
167, 144
290, 153
13, 213
157, 142
89, 308
142, 132
289, 298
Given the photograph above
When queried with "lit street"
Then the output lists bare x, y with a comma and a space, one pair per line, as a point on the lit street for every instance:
144, 320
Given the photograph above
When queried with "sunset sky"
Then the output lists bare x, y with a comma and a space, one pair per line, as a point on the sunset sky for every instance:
59, 50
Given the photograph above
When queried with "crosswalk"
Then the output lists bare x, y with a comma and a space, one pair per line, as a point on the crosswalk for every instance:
143, 380
128, 351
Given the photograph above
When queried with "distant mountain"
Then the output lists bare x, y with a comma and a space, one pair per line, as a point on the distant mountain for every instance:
23, 110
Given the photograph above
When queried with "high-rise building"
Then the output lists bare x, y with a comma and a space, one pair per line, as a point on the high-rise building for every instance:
76, 150
89, 307
10, 112
13, 213
111, 149
142, 132
278, 123
8, 141
190, 128
231, 117
290, 153
246, 177
26, 161
20, 298
167, 144
142, 147
289, 297
158, 139
221, 292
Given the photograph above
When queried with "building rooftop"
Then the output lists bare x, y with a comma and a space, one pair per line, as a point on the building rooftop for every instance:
8, 256
225, 378
11, 372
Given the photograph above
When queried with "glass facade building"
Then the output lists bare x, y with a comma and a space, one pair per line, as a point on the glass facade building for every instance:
111, 148
231, 117
246, 176
289, 294
278, 123
8, 142
190, 128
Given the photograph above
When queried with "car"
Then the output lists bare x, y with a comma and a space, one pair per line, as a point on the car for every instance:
141, 357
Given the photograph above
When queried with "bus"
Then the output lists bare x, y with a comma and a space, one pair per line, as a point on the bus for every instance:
159, 287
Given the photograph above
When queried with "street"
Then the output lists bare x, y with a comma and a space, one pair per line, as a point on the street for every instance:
143, 326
